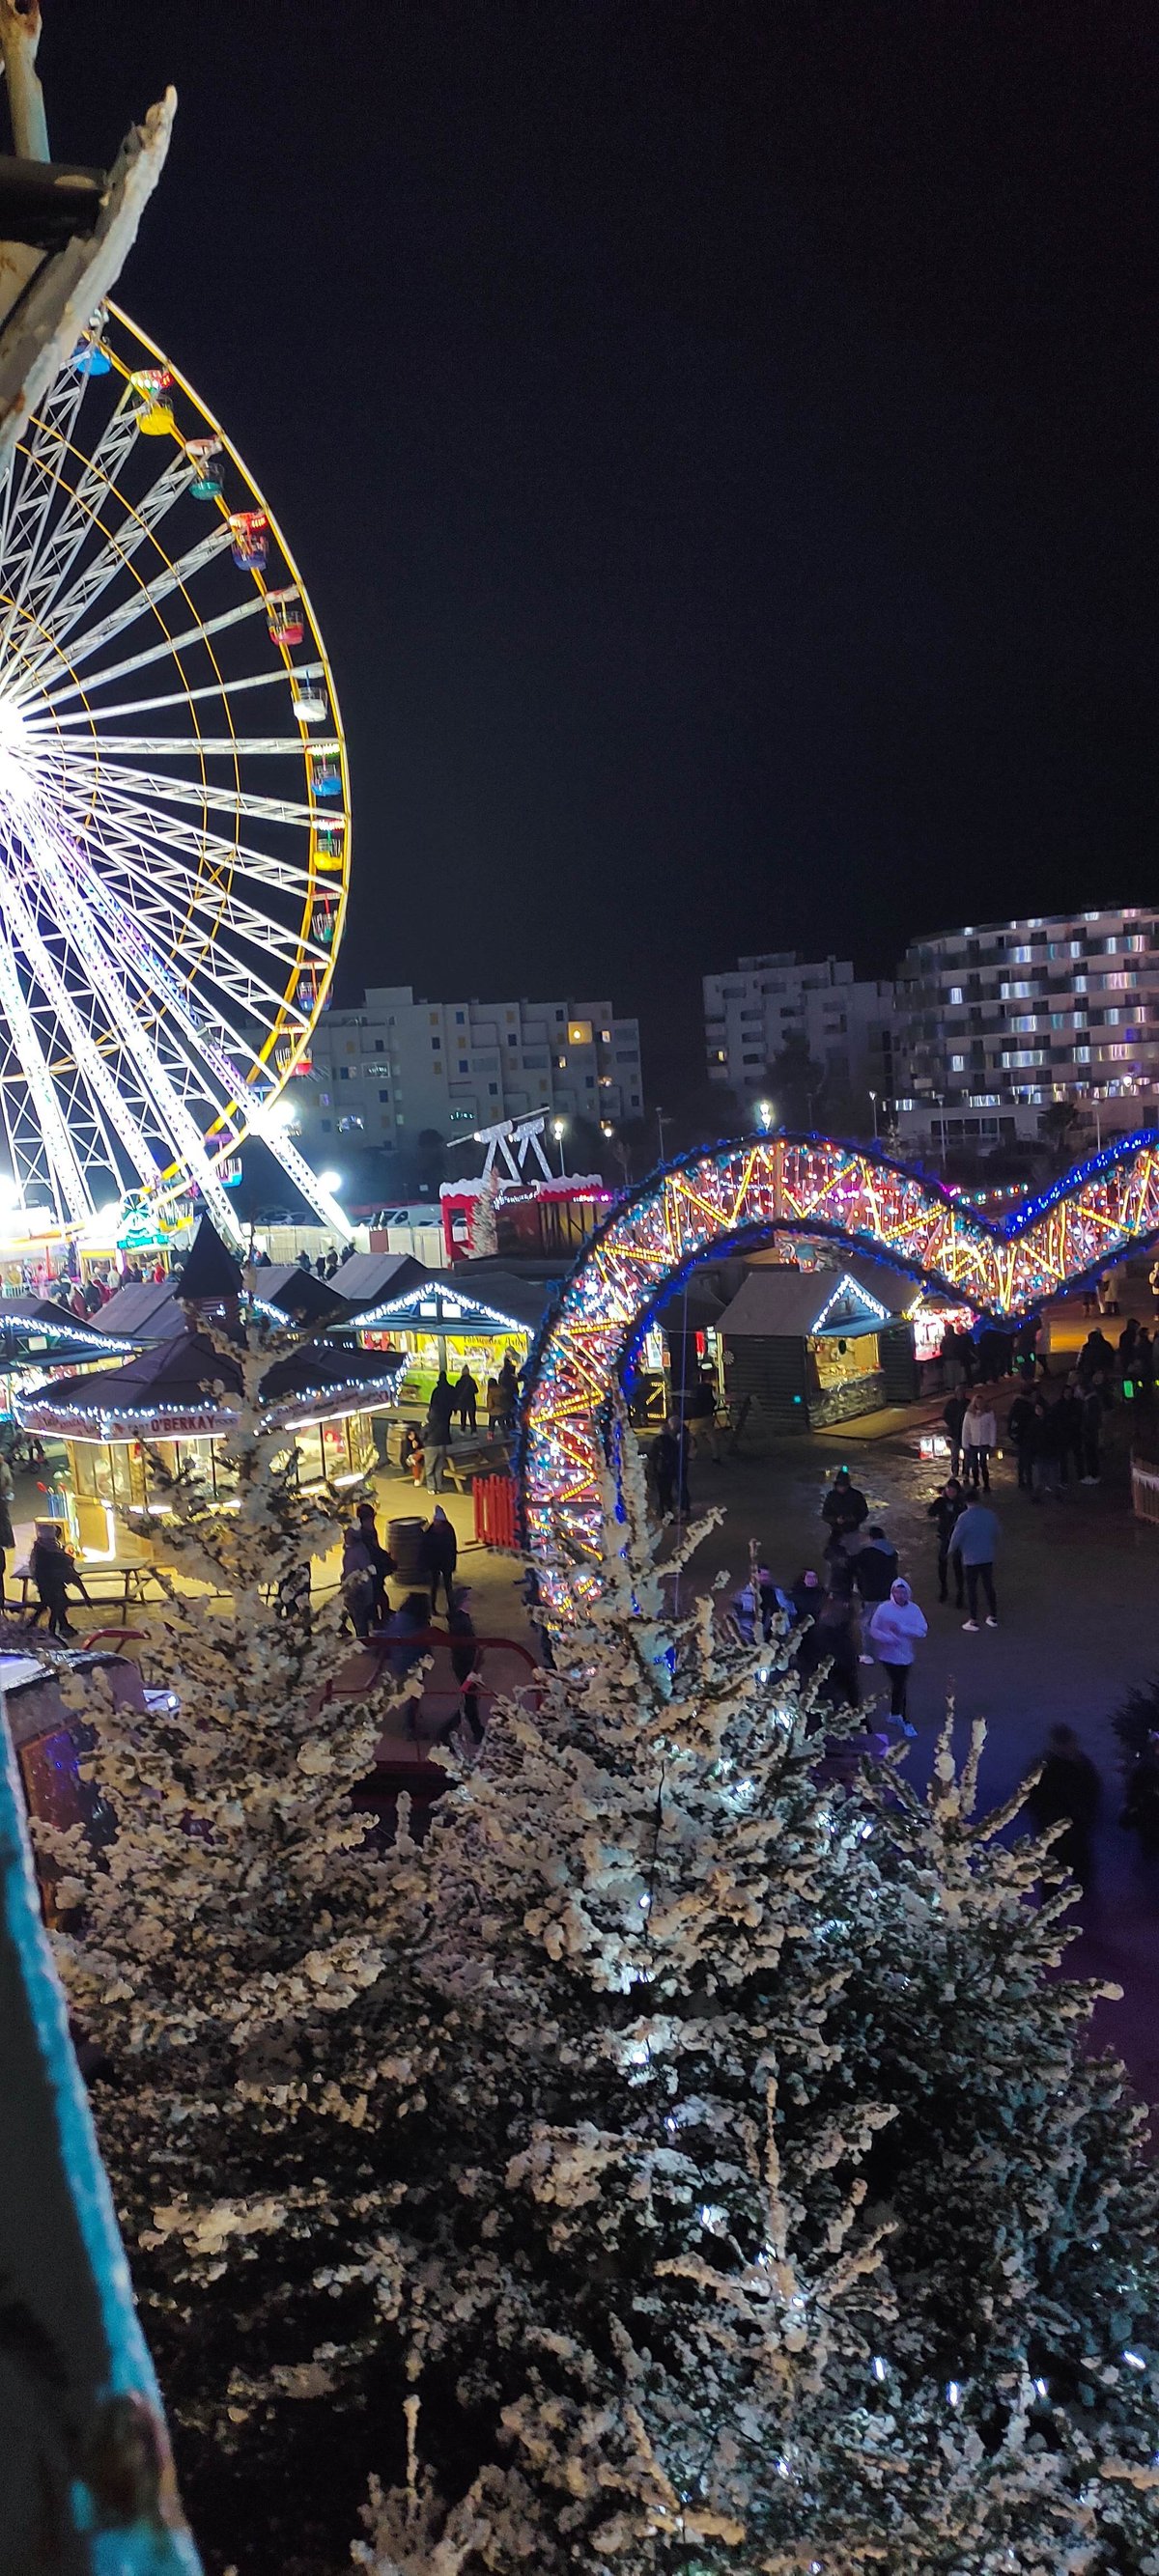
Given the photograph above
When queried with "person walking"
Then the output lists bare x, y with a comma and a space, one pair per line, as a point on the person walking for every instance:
440, 1410
974, 1543
509, 1391
954, 1415
875, 1566
438, 1552
844, 1507
896, 1627
945, 1512
1020, 1433
465, 1667
55, 1575
466, 1395
1093, 1406
1068, 1788
979, 1437
1068, 1429
1047, 1434
1145, 1369
381, 1560
357, 1579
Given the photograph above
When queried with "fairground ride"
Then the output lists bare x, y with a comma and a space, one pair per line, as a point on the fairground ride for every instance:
174, 803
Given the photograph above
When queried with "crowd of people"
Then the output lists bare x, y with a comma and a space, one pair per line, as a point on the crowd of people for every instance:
425, 1452
367, 1566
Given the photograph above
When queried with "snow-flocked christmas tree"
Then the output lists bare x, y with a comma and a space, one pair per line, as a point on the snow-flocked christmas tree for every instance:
774, 2217
682, 2158
228, 1949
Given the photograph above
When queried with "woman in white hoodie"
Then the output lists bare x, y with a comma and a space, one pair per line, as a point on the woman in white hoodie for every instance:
979, 1437
895, 1628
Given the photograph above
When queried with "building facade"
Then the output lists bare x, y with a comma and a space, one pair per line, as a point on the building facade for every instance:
383, 1073
848, 1025
1063, 1007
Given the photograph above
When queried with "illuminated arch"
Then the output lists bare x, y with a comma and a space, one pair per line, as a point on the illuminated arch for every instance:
738, 1195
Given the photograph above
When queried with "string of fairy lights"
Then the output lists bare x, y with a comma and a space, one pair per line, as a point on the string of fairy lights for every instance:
742, 1193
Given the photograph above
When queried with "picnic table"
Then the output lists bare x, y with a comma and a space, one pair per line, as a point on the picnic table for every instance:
122, 1581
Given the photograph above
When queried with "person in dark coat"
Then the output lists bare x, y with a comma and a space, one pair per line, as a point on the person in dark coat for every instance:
466, 1395
358, 1579
440, 1410
55, 1575
508, 1383
1068, 1787
1145, 1368
954, 1415
1141, 1805
465, 1667
844, 1507
381, 1560
945, 1512
668, 1459
875, 1566
835, 1639
438, 1552
1093, 1407
1020, 1433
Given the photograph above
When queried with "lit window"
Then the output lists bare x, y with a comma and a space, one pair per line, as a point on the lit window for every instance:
957, 1064
956, 993
579, 1033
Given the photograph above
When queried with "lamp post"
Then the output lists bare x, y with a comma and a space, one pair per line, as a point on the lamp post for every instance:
766, 1115
873, 1097
557, 1128
663, 1120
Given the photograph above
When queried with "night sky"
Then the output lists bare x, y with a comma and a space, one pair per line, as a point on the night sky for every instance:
721, 443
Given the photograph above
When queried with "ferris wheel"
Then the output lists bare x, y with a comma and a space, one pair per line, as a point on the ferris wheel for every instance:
174, 806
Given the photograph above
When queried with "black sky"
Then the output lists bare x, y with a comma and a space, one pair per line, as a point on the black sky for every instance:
721, 443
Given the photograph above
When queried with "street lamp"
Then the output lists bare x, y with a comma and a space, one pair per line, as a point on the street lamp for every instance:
766, 1115
557, 1128
873, 1097
663, 1120
331, 1181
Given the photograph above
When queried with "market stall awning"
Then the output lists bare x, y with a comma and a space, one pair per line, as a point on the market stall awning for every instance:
439, 1304
299, 1293
36, 1331
783, 1304
366, 1277
181, 1389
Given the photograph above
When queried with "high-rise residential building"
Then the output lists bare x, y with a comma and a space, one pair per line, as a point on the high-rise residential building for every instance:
848, 1025
1064, 1006
381, 1074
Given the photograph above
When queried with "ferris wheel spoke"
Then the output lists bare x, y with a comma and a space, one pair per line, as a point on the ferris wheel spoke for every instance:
173, 836
25, 524
113, 557
211, 799
95, 1067
167, 651
69, 1186
218, 1050
144, 854
79, 516
229, 746
172, 1112
171, 913
175, 577
45, 727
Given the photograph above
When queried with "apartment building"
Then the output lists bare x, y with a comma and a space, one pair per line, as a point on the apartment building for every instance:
1063, 1006
381, 1074
848, 1025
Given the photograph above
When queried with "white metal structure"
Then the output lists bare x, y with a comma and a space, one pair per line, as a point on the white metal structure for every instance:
174, 807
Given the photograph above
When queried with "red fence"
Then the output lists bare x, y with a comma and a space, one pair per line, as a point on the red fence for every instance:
495, 1502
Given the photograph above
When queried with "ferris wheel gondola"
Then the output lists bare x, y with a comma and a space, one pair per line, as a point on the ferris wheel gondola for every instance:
174, 800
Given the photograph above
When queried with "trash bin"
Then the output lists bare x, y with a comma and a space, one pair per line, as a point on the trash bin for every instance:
402, 1538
